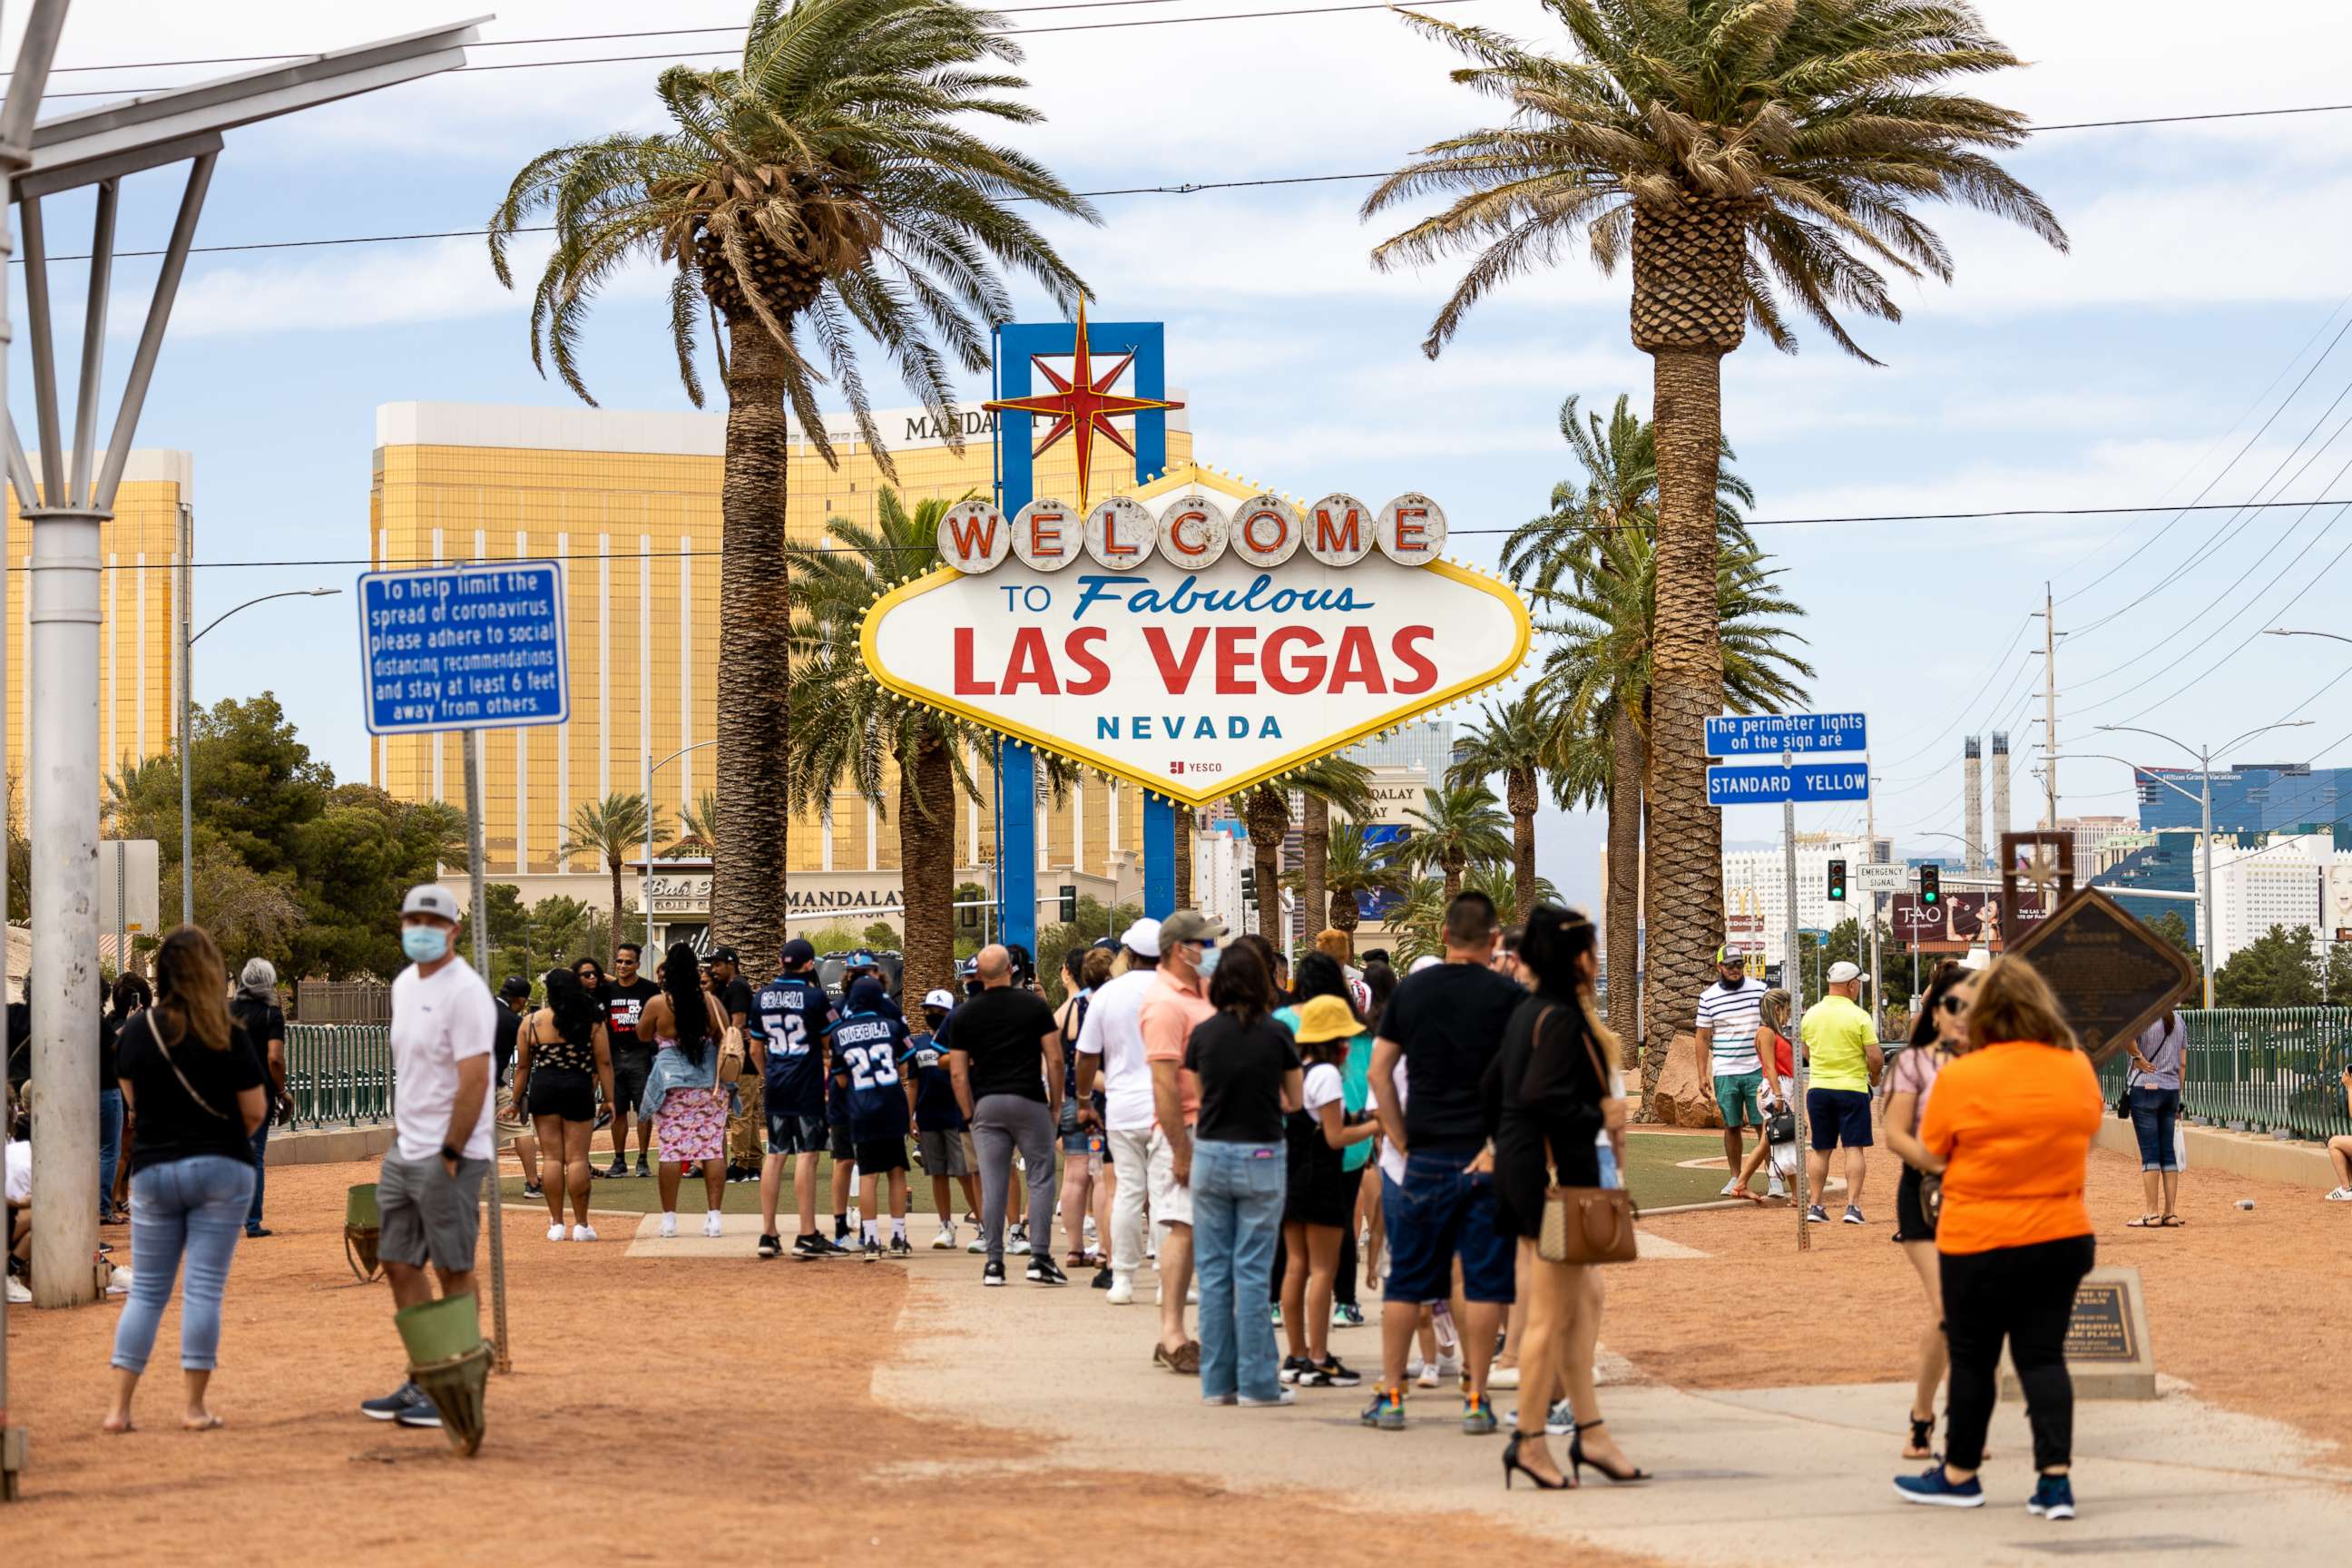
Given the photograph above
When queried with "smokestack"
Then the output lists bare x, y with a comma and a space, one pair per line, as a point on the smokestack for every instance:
2000, 790
1973, 800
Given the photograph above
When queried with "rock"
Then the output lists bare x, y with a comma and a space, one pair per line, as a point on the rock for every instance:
1679, 1099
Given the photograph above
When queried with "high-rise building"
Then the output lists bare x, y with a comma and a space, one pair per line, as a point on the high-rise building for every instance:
2248, 797
139, 592
1425, 744
630, 502
1756, 886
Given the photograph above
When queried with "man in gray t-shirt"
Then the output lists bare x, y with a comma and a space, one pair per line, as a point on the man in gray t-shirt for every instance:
1731, 1074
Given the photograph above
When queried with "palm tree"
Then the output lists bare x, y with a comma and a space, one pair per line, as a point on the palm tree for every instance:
1499, 880
698, 823
1596, 684
1350, 866
613, 830
1510, 740
1326, 781
848, 727
1416, 921
829, 190
1453, 827
1749, 156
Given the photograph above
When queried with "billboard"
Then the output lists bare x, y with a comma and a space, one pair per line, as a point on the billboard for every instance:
1197, 636
1959, 922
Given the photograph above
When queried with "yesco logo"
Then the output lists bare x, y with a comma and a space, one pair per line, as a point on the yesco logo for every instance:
1192, 532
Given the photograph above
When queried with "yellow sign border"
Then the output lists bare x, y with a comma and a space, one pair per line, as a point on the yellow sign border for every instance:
1523, 634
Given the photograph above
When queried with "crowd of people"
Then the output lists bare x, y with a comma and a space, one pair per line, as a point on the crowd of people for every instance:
1262, 1143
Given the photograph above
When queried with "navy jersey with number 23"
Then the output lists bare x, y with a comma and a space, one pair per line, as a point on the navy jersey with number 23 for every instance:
866, 1057
789, 1013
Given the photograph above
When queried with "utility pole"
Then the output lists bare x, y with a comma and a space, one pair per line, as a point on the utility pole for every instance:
2050, 707
1870, 858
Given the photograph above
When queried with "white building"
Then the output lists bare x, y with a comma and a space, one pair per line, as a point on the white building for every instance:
1755, 882
2293, 879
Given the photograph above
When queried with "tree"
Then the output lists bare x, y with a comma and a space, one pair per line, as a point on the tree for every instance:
696, 827
1453, 828
2338, 974
1416, 921
1352, 868
613, 830
1510, 740
357, 860
849, 728
1327, 780
1747, 156
1499, 880
1096, 920
249, 915
2277, 969
829, 191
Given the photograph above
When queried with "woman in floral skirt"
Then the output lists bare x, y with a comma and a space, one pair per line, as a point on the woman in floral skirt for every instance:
683, 1100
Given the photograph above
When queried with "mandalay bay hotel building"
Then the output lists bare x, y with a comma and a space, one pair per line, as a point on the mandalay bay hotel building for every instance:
630, 503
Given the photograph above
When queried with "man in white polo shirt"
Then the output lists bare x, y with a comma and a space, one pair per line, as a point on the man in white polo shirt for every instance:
1111, 1044
444, 1023
1730, 1072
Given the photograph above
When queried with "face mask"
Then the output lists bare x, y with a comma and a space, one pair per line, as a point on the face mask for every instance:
425, 945
1208, 961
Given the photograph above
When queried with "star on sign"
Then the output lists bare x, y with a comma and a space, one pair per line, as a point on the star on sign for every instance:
1083, 405
2041, 867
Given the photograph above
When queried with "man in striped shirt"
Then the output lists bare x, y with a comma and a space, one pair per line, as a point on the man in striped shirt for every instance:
1729, 1012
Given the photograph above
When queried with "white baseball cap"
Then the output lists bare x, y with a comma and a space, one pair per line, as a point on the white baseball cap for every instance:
1142, 937
1842, 972
941, 998
430, 899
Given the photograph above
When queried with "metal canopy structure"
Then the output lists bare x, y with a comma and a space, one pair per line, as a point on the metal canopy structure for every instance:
66, 499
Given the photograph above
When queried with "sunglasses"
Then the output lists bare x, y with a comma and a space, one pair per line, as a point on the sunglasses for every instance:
1954, 1004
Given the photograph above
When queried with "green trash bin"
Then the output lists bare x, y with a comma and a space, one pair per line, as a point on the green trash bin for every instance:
363, 1226
440, 1330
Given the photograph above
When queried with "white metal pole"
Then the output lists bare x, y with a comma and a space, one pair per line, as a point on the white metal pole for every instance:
1792, 977
478, 905
187, 704
1870, 858
644, 887
2205, 856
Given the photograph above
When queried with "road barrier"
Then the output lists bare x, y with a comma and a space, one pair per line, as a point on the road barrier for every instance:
2267, 1070
339, 1074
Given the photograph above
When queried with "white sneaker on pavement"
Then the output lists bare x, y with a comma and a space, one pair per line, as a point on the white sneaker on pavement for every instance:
945, 1241
1121, 1292
1730, 1186
669, 1225
713, 1224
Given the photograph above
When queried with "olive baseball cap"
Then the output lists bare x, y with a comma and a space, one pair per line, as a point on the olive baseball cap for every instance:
1190, 925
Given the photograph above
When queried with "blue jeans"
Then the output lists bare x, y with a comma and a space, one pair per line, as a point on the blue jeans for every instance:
110, 1146
1237, 1191
192, 1206
260, 1175
1441, 1213
2153, 1112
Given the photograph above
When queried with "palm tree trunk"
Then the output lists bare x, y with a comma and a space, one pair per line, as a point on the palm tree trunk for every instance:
1684, 845
1183, 855
1314, 838
1266, 811
1624, 912
1453, 863
1519, 785
747, 882
614, 956
1344, 917
926, 803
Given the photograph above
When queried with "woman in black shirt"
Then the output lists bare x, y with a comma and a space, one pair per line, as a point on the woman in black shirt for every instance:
255, 1010
1249, 1077
195, 1087
1549, 1098
561, 1056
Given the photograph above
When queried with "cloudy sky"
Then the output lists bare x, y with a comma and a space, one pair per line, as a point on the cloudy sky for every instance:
2162, 360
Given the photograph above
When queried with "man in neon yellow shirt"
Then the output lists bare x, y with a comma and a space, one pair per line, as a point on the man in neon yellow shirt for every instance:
1844, 1059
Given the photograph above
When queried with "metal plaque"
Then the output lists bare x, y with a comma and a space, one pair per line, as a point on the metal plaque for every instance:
2113, 975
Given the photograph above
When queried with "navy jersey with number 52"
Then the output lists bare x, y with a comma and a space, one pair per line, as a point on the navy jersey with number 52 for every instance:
789, 1013
866, 1047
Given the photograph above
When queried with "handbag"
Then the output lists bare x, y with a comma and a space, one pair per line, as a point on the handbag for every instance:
732, 1054
1780, 1127
1585, 1225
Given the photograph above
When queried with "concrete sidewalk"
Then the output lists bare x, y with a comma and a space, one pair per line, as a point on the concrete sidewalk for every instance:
1763, 1476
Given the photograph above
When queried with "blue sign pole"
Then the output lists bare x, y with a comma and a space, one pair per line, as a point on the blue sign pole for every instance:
1159, 855
1017, 825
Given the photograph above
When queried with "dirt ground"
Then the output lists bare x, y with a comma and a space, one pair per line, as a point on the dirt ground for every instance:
2249, 1306
727, 1396
660, 1410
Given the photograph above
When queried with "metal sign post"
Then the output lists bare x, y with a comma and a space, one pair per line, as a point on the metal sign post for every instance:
469, 649
1792, 977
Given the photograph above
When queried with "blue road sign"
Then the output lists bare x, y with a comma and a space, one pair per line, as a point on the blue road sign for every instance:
1772, 785
464, 648
1758, 734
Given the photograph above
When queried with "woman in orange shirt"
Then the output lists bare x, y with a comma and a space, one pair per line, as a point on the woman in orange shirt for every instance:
2009, 1128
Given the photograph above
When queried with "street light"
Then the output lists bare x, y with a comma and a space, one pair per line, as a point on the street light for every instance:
652, 767
187, 644
2206, 934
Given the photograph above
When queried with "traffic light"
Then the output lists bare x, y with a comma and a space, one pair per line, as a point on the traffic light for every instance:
1931, 892
1249, 886
1837, 881
1069, 902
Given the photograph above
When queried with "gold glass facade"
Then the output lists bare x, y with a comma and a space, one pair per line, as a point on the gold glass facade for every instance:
631, 504
139, 606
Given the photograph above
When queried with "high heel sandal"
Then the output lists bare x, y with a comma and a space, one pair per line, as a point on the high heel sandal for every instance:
1577, 1460
1923, 1437
1511, 1463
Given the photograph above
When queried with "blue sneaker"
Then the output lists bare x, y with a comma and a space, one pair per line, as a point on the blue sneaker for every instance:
2054, 1499
1933, 1486
1386, 1412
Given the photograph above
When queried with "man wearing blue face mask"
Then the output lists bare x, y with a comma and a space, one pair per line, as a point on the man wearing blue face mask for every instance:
444, 1025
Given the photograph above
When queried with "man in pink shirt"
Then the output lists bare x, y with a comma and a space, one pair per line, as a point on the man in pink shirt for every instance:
1177, 1001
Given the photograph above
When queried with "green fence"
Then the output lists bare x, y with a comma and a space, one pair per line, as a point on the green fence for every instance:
338, 1073
2268, 1069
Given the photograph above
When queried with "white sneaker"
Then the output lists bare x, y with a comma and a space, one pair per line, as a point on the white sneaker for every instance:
1729, 1187
1412, 1367
1779, 1189
2340, 1196
583, 1233
1430, 1377
1449, 1369
1191, 1295
978, 1246
669, 1225
945, 1241
17, 1295
1121, 1292
555, 1232
712, 1224
1017, 1243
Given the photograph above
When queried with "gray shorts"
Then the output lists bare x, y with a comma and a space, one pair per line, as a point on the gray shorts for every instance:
430, 1215
944, 1153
